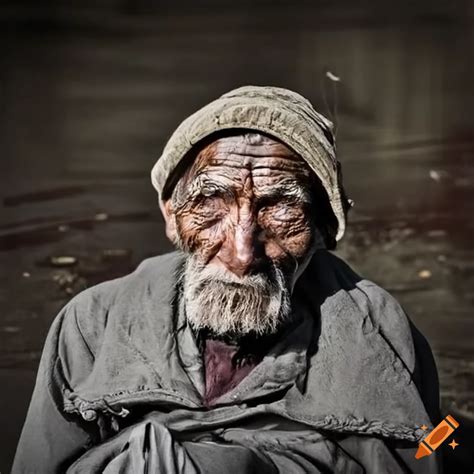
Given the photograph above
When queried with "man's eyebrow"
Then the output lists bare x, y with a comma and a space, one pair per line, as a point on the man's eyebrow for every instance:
292, 191
199, 187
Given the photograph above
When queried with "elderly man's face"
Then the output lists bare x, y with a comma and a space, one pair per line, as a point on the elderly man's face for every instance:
243, 213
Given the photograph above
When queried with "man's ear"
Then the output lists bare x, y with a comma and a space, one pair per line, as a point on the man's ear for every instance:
170, 220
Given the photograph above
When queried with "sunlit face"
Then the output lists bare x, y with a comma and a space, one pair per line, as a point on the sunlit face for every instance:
243, 213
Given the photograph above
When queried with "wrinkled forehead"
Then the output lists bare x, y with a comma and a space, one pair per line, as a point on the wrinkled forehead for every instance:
253, 156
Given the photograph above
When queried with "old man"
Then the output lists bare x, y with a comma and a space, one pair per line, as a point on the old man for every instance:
250, 349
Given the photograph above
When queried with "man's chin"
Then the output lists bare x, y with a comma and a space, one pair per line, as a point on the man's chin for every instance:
222, 316
224, 304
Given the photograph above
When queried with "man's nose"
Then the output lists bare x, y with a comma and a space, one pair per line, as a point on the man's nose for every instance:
242, 250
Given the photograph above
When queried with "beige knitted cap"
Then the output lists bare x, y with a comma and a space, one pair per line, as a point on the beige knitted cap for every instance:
281, 113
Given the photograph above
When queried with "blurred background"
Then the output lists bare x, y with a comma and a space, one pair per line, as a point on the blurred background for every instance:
90, 91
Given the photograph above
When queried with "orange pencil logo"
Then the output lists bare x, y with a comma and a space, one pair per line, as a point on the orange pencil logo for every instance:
436, 437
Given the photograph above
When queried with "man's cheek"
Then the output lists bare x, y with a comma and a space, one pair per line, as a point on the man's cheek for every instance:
207, 244
295, 245
203, 243
299, 245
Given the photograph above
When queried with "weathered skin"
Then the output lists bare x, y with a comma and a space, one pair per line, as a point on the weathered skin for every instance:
245, 200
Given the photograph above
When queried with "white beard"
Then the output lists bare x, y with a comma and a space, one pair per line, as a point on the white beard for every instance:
218, 300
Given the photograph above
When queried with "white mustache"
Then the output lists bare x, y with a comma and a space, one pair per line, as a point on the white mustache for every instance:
211, 274
218, 300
